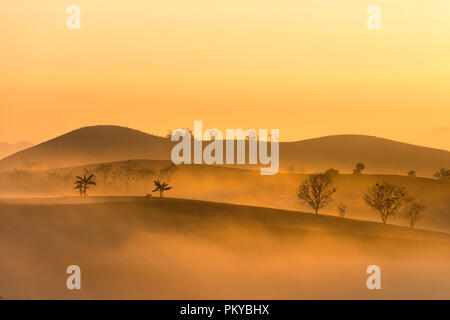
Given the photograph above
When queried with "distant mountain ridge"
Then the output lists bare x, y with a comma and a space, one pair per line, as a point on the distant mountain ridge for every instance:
7, 149
378, 154
90, 145
114, 143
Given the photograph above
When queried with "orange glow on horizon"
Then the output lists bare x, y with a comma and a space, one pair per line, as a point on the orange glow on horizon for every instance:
308, 68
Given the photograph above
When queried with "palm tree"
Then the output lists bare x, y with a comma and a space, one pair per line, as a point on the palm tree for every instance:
79, 185
83, 183
161, 187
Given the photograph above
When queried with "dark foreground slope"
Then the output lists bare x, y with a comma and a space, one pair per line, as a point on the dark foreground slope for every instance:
173, 248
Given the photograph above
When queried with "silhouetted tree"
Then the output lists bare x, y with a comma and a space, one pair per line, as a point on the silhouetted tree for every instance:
169, 132
83, 183
161, 187
145, 175
443, 175
333, 173
359, 167
291, 169
412, 210
128, 172
58, 179
104, 171
167, 172
411, 173
65, 178
28, 165
20, 175
79, 186
342, 208
386, 198
316, 190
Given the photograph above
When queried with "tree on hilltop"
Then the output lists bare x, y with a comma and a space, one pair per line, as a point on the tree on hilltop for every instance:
161, 187
359, 167
83, 183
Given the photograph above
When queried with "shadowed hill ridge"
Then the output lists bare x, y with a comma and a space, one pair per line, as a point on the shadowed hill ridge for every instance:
114, 143
177, 249
378, 154
92, 144
195, 215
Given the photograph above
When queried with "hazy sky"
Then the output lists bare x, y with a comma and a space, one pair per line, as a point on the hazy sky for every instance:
309, 68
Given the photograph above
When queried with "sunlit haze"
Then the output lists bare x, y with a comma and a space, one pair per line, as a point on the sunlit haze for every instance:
309, 68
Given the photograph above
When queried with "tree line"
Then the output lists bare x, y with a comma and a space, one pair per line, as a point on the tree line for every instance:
128, 173
386, 199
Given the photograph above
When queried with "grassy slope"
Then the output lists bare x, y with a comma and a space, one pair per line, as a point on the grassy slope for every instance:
172, 212
248, 187
132, 247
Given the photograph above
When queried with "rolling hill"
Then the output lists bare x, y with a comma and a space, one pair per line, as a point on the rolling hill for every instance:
239, 186
92, 145
183, 249
378, 154
113, 143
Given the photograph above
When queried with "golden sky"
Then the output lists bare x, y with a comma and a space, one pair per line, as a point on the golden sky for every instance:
309, 68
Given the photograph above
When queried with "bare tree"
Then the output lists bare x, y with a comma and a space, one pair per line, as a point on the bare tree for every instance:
20, 175
412, 210
359, 167
317, 190
167, 172
104, 171
342, 208
411, 173
23, 173
169, 132
65, 178
127, 172
28, 165
53, 176
58, 179
291, 169
386, 198
333, 173
145, 175
443, 175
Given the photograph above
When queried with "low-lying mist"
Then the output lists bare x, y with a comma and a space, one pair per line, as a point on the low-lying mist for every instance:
223, 184
131, 248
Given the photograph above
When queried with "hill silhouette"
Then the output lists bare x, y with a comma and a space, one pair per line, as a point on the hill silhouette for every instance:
378, 154
92, 145
114, 143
